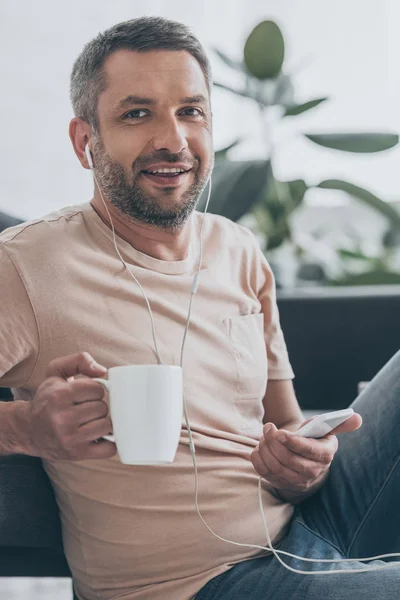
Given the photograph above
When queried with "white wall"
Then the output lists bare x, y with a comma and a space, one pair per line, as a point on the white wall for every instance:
350, 50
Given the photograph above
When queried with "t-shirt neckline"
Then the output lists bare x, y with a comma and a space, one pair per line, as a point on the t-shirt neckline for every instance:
132, 255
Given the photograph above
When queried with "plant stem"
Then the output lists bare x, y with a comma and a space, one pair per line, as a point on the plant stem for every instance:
270, 148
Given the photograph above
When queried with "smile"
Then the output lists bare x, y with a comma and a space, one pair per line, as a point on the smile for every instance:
166, 177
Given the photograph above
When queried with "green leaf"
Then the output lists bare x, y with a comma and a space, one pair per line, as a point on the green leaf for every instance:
297, 188
283, 197
275, 200
279, 200
272, 212
236, 187
264, 50
355, 142
391, 238
280, 234
263, 219
374, 277
297, 109
221, 154
233, 64
365, 196
352, 254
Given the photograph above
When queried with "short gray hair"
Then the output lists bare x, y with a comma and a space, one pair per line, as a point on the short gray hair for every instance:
88, 79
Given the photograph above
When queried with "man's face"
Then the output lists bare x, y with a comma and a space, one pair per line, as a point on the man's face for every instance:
154, 114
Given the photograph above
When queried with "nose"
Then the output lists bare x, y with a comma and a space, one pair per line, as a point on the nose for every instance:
170, 136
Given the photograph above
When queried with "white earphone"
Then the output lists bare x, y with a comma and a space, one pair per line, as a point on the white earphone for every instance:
89, 156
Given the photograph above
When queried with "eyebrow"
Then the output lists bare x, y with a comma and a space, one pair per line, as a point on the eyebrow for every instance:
134, 100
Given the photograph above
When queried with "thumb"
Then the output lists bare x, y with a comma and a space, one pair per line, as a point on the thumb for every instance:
75, 364
351, 424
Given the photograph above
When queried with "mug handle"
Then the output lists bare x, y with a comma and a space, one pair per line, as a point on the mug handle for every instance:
106, 385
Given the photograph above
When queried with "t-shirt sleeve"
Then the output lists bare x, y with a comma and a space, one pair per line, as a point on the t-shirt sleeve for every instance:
18, 329
279, 366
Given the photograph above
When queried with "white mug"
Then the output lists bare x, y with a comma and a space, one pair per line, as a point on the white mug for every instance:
146, 405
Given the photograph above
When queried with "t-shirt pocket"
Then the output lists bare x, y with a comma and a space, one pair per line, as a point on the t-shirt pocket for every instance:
247, 343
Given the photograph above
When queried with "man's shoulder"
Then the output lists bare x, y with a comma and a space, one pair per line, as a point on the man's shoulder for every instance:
40, 231
226, 230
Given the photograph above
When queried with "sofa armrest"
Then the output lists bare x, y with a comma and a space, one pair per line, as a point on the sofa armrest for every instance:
32, 562
29, 514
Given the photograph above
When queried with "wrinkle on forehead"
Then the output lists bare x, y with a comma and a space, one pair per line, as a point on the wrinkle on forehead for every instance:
178, 75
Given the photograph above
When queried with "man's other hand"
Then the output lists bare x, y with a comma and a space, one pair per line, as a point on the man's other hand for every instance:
295, 464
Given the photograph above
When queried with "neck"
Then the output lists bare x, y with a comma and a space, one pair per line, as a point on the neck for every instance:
171, 245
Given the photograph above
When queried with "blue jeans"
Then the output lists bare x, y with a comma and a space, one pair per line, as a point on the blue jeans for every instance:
355, 514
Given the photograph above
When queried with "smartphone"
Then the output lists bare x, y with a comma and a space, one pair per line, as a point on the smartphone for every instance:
323, 424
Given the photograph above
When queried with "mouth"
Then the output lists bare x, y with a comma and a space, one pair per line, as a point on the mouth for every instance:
166, 179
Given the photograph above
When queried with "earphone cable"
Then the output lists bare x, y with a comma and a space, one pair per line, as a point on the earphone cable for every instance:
269, 546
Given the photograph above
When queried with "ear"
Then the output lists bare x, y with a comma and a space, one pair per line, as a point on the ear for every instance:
80, 134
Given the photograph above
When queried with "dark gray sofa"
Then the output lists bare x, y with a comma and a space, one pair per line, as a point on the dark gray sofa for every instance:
338, 337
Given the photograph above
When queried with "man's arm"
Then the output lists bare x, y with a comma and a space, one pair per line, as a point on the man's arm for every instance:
14, 434
281, 406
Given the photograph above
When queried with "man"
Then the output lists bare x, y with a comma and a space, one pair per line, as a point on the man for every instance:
70, 311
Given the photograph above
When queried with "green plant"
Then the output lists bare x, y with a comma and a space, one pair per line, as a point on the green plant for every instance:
350, 259
243, 186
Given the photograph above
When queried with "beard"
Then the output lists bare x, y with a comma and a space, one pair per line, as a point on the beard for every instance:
124, 192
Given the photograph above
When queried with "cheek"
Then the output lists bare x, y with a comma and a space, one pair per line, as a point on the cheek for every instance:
204, 148
124, 145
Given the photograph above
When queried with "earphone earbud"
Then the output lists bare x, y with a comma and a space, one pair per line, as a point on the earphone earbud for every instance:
89, 156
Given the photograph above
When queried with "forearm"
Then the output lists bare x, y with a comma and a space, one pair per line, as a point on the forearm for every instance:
14, 431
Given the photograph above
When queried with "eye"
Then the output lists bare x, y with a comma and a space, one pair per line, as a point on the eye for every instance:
134, 113
199, 111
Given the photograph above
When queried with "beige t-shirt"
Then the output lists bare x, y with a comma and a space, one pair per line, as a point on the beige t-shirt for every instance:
132, 532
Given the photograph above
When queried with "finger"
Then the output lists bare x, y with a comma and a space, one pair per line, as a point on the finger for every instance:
265, 468
86, 390
320, 450
281, 475
90, 411
67, 366
95, 430
351, 424
308, 469
101, 449
258, 463
78, 391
